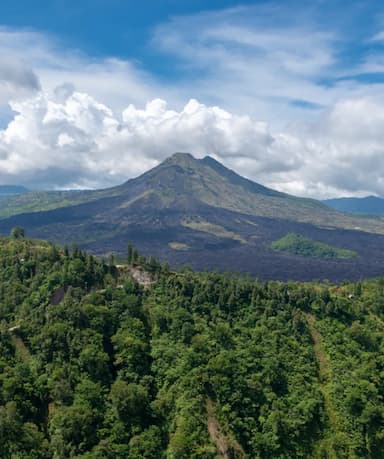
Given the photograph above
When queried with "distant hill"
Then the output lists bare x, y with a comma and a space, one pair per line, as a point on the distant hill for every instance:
6, 190
370, 205
37, 201
198, 212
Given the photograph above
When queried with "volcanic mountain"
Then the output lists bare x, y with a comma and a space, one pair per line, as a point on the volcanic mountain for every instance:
198, 212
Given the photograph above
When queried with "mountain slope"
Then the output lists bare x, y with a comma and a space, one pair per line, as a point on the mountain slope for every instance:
183, 179
199, 212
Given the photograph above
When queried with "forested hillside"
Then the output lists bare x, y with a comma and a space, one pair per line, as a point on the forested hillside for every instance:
94, 364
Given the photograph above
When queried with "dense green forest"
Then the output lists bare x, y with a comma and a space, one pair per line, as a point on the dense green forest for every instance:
95, 364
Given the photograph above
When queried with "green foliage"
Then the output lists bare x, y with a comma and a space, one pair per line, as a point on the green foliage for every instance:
305, 247
94, 365
17, 232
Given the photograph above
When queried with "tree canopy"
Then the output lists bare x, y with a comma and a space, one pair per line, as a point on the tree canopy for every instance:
96, 364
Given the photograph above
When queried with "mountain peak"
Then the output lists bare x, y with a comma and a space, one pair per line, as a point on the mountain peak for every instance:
187, 159
181, 159
212, 173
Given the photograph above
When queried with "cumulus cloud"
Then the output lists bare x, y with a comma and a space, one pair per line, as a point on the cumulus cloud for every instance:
341, 154
88, 145
71, 140
325, 126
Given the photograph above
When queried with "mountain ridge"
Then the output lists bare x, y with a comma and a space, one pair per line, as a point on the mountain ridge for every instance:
222, 187
196, 211
368, 205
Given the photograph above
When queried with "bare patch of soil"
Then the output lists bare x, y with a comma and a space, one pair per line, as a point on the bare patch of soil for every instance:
227, 447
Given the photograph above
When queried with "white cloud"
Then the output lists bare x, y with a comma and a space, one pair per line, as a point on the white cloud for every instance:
255, 60
273, 61
379, 37
14, 74
16, 80
76, 141
30, 60
71, 140
342, 154
76, 121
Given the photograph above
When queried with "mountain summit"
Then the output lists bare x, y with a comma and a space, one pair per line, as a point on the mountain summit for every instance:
197, 211
183, 178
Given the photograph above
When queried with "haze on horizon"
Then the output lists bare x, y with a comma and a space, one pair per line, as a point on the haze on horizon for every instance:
289, 95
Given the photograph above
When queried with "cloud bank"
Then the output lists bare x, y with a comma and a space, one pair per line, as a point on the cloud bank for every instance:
70, 140
325, 112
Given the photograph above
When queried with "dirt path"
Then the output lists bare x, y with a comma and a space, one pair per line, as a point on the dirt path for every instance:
228, 448
325, 373
22, 352
215, 432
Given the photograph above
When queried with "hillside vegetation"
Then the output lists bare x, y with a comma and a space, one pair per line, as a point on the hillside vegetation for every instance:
297, 244
95, 364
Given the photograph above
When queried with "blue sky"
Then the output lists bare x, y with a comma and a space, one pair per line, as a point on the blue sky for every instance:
104, 27
125, 29
288, 93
